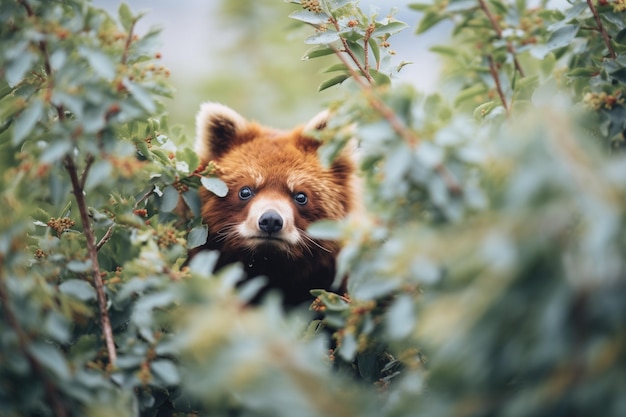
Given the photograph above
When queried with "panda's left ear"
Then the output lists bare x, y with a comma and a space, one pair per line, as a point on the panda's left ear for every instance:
218, 129
318, 122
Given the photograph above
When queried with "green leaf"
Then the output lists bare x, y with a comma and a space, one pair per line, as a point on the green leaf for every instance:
560, 38
400, 317
197, 236
143, 97
379, 77
170, 199
420, 7
215, 185
445, 50
324, 38
429, 20
26, 121
325, 229
50, 357
619, 75
309, 17
390, 28
348, 347
336, 67
375, 49
17, 67
584, 72
333, 81
78, 288
126, 17
317, 51
166, 371
99, 62
470, 93
204, 262
484, 109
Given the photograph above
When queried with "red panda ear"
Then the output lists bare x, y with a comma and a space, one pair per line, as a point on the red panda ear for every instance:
217, 130
318, 122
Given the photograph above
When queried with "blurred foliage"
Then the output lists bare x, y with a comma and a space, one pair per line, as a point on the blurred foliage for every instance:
487, 274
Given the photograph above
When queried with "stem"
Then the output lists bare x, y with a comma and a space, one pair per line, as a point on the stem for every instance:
496, 27
346, 49
52, 395
605, 35
92, 249
397, 125
366, 40
129, 40
494, 73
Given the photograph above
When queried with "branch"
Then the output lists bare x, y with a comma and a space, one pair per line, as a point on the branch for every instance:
494, 73
605, 35
346, 49
129, 40
92, 249
496, 27
83, 177
52, 395
397, 125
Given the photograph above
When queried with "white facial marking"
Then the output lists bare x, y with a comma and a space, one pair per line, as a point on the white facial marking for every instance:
261, 204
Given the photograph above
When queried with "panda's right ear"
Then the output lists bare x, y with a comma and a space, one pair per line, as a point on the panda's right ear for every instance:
217, 129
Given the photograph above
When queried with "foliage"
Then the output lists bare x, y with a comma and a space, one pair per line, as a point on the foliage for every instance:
486, 273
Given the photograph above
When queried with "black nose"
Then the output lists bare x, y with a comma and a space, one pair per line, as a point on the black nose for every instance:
270, 221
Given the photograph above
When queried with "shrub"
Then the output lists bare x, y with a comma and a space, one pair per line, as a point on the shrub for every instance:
486, 276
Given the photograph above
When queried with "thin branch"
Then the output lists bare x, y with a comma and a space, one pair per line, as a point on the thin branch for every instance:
496, 27
83, 177
129, 40
605, 35
106, 237
78, 191
366, 40
494, 73
346, 49
143, 198
109, 232
397, 125
52, 394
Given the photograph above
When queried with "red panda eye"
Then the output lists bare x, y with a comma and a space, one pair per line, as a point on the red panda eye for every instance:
301, 198
245, 193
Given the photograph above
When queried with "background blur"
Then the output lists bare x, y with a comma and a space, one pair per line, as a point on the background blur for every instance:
246, 54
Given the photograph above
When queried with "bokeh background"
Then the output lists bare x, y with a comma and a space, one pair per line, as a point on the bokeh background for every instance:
247, 54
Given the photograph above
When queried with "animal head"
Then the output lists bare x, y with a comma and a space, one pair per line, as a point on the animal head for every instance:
277, 185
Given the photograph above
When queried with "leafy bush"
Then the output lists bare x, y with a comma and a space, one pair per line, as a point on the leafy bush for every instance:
486, 275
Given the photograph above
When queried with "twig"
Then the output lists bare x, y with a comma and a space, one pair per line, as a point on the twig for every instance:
605, 35
143, 198
494, 73
397, 125
106, 237
78, 191
52, 394
129, 40
83, 177
496, 27
346, 49
366, 40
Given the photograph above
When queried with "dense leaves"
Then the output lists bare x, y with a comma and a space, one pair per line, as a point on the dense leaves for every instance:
486, 269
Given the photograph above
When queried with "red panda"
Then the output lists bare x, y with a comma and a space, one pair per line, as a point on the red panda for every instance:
277, 187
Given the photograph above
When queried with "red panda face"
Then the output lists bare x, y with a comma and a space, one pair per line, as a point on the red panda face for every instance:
277, 186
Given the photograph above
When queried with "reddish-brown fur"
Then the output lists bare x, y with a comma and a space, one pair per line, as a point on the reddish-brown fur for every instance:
277, 167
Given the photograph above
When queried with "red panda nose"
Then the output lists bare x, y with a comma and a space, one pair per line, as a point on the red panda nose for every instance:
270, 221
